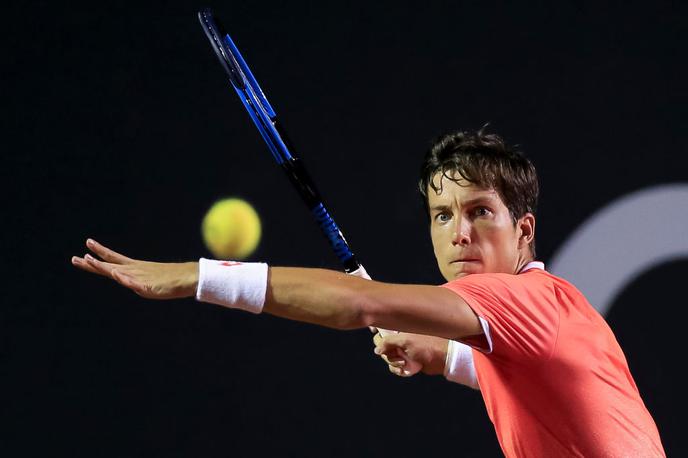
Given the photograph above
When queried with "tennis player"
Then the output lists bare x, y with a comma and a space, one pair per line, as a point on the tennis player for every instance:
553, 377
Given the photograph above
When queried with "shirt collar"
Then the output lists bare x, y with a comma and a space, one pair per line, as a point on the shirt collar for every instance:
532, 265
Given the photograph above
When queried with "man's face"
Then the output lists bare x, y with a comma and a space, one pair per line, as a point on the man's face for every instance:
472, 230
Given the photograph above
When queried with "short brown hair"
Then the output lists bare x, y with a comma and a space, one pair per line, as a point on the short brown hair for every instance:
484, 160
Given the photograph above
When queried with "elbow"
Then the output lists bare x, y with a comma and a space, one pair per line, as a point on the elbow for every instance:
358, 313
366, 311
359, 306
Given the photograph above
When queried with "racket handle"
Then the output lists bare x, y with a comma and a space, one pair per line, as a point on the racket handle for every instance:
386, 332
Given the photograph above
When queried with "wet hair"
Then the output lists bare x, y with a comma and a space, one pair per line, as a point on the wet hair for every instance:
484, 160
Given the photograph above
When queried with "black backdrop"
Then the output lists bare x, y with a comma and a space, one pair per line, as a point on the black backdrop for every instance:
119, 124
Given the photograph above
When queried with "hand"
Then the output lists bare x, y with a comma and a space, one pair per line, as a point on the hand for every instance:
152, 280
407, 354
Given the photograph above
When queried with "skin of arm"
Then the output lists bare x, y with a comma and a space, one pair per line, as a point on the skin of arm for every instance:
344, 302
318, 296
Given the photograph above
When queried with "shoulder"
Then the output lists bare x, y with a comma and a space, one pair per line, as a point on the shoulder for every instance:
522, 311
533, 292
532, 278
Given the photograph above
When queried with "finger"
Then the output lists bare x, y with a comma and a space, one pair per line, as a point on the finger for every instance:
373, 329
106, 253
377, 339
83, 265
104, 268
395, 362
399, 372
388, 346
395, 339
392, 355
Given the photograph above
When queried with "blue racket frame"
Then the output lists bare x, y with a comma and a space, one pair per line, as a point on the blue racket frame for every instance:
265, 119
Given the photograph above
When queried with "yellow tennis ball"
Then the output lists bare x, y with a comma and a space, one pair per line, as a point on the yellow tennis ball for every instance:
231, 229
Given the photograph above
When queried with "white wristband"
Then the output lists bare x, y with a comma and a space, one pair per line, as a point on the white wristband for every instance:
459, 366
233, 284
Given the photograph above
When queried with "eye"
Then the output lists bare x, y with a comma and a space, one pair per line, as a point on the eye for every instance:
442, 217
481, 211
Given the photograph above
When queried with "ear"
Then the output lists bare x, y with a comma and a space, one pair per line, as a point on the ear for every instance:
526, 228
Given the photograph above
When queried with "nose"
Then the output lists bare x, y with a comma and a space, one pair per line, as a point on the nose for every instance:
461, 238
461, 234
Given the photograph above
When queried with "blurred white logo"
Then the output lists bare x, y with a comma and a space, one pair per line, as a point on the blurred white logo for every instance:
621, 241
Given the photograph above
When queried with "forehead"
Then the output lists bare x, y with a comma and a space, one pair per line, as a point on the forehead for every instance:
457, 189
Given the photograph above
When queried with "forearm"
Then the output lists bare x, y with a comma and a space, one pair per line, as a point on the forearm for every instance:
323, 297
333, 299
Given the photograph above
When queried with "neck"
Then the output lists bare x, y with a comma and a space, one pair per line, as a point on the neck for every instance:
523, 259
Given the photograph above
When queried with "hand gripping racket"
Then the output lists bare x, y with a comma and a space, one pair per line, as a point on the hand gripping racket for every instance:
265, 119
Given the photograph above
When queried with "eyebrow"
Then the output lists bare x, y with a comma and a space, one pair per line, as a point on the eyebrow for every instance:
478, 200
467, 203
440, 207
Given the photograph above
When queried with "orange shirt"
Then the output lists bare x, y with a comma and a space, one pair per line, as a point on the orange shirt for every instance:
555, 382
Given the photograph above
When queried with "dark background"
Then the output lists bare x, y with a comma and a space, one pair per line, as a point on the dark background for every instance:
119, 124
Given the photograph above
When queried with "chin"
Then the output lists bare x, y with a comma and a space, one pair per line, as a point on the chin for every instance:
463, 269
458, 275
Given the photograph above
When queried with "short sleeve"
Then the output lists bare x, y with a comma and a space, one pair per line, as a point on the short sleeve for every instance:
521, 311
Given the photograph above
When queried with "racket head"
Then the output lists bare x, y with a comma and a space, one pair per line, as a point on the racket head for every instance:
247, 87
214, 32
264, 118
248, 76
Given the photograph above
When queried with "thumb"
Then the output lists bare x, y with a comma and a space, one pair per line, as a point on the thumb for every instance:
390, 348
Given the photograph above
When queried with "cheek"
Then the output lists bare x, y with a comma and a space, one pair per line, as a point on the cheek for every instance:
495, 236
441, 240
436, 237
486, 230
437, 233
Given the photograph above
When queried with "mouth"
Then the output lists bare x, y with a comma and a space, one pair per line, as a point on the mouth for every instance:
456, 261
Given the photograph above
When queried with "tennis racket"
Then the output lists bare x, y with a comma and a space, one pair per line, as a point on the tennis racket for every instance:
265, 119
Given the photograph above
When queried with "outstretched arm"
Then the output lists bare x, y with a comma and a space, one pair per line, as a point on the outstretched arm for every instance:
318, 296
